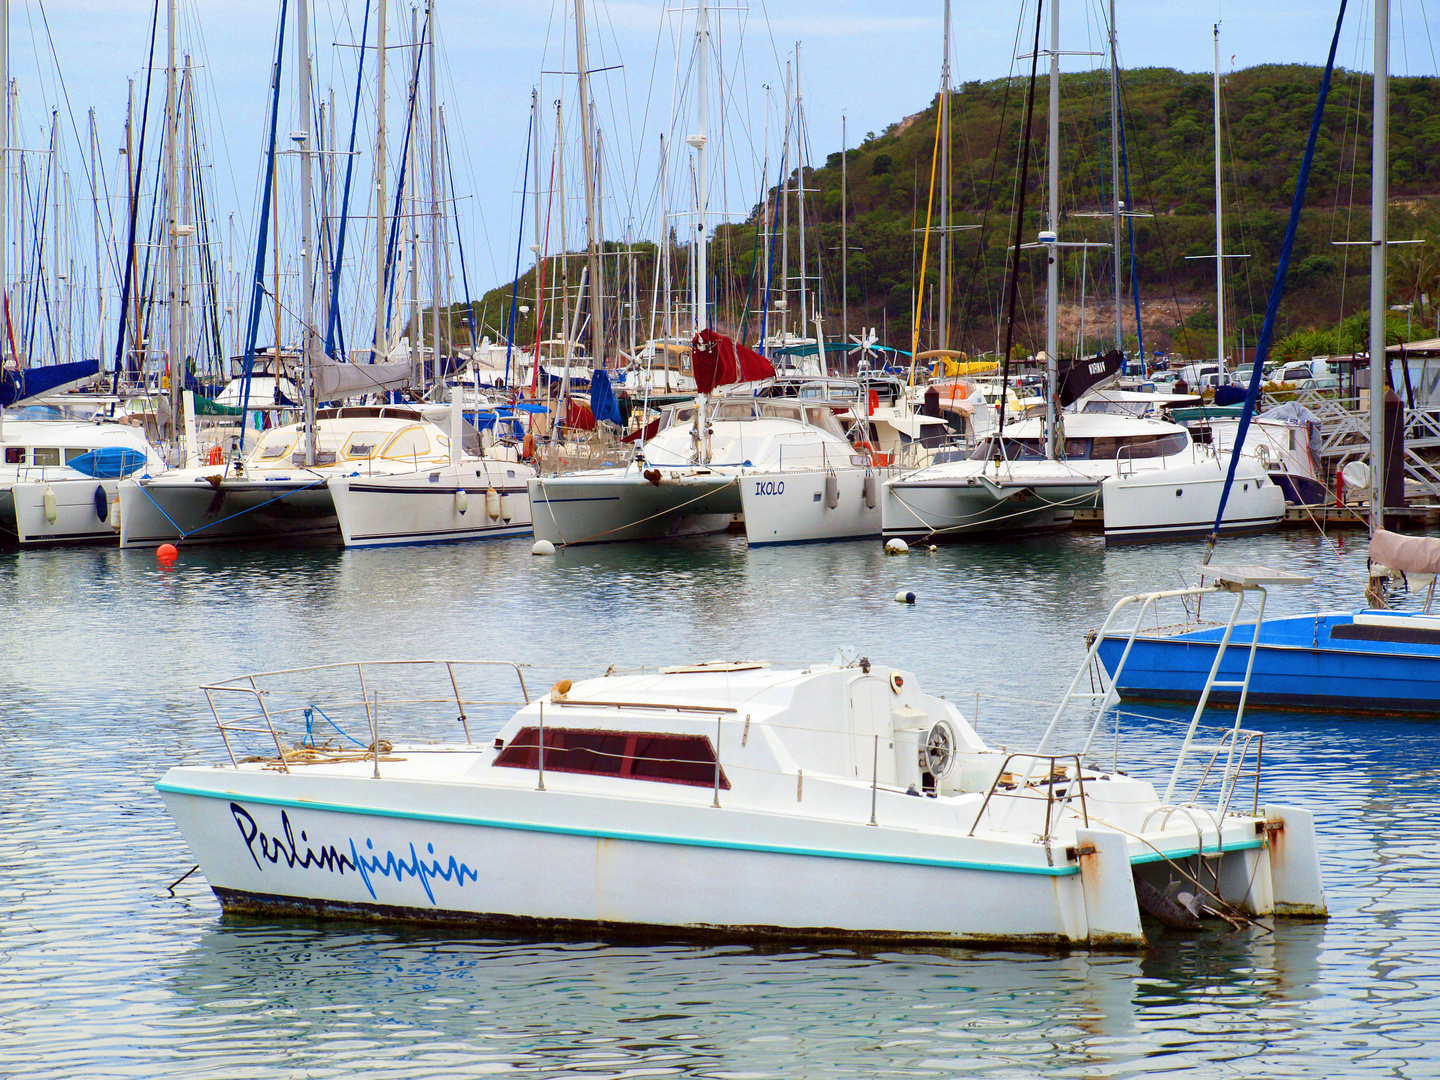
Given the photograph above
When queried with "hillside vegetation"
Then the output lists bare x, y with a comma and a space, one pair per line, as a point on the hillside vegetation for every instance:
1168, 134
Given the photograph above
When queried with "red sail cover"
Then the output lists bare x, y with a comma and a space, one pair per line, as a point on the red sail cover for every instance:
718, 361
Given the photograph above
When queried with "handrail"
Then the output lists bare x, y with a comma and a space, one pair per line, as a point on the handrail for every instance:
1023, 784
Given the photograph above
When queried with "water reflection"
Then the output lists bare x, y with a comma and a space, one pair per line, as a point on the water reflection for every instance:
102, 972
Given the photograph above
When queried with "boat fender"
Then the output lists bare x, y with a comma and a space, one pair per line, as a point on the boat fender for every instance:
52, 508
653, 475
102, 504
462, 501
903, 597
115, 513
896, 546
832, 491
871, 490
527, 449
506, 510
492, 503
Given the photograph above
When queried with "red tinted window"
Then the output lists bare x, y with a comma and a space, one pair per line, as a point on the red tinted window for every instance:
639, 755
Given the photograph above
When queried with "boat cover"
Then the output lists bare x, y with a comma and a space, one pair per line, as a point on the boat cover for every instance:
108, 462
34, 381
717, 361
1408, 554
335, 379
602, 399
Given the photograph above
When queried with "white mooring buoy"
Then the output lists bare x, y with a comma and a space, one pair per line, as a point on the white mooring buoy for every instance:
903, 597
542, 547
896, 547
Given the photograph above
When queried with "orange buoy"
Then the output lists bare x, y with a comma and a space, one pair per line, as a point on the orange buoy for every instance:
167, 553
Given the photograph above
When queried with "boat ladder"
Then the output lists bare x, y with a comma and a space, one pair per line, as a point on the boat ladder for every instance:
1242, 583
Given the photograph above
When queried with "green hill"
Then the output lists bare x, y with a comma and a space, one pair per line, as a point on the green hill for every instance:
1168, 126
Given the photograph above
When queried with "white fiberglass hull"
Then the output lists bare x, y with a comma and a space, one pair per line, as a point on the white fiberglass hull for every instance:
426, 507
452, 852
622, 504
921, 507
793, 506
1182, 502
200, 510
84, 511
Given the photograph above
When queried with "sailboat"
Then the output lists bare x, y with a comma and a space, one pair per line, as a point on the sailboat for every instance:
1369, 660
1034, 474
1185, 501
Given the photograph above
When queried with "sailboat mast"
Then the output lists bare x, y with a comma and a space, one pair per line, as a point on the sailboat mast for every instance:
944, 342
1379, 205
172, 218
592, 260
803, 324
1115, 176
1219, 224
697, 141
1052, 283
380, 231
435, 288
99, 262
308, 340
844, 240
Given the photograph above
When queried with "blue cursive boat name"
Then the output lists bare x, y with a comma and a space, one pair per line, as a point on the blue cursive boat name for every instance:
277, 847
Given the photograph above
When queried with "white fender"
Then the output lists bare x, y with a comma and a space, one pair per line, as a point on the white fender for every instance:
52, 508
462, 501
492, 503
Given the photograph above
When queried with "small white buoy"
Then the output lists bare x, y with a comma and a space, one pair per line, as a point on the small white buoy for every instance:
933, 549
903, 597
896, 547
462, 501
542, 547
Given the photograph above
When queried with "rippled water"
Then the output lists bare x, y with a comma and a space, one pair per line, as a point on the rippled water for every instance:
104, 973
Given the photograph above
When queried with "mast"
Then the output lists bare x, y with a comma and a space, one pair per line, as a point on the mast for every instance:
172, 218
1219, 225
381, 343
1379, 205
415, 322
1052, 284
187, 229
592, 261
784, 302
804, 323
99, 263
1115, 177
844, 219
308, 340
944, 342
666, 329
5, 185
435, 217
697, 142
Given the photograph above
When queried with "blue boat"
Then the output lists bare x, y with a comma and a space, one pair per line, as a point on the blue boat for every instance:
1370, 661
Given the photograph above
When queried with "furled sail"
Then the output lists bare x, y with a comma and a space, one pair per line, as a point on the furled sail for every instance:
718, 361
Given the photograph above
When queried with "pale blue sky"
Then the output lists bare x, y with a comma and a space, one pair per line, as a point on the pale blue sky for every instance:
873, 61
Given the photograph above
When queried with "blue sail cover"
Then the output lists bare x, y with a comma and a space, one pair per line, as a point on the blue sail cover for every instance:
33, 382
602, 399
108, 462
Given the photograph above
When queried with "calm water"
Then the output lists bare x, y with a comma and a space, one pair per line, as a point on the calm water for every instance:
105, 973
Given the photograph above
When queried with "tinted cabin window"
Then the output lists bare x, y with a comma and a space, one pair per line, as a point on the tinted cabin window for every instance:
637, 755
14, 455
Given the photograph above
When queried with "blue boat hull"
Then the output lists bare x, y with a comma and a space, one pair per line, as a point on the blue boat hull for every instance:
1327, 662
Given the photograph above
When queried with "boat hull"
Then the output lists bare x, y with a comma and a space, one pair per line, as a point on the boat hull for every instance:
198, 512
792, 507
1182, 502
83, 512
425, 507
458, 861
1302, 662
924, 510
603, 507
